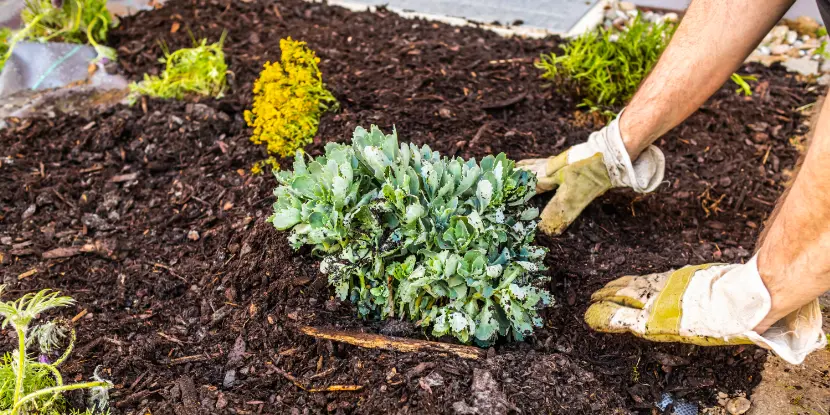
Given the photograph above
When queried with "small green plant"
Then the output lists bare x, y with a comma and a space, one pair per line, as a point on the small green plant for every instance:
36, 387
5, 37
289, 99
199, 70
71, 21
403, 231
741, 81
605, 66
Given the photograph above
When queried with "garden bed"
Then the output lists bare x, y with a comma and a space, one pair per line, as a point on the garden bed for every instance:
194, 304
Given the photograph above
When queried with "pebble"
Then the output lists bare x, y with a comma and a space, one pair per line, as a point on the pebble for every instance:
825, 66
804, 66
779, 49
671, 17
738, 406
29, 211
193, 235
791, 37
824, 80
230, 378
626, 5
764, 50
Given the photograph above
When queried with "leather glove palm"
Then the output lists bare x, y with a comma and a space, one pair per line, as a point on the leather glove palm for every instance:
586, 171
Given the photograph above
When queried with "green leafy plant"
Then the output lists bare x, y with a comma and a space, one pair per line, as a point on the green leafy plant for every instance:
605, 66
741, 81
199, 70
27, 386
404, 231
71, 21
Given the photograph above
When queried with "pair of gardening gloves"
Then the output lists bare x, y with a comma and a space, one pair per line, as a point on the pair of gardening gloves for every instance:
707, 305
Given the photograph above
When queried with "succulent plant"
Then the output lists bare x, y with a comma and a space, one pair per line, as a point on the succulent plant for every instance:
405, 232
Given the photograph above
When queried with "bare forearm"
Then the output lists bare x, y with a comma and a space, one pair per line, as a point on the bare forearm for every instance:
713, 39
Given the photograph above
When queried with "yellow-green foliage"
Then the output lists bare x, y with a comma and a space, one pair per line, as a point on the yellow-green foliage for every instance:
198, 70
289, 98
72, 21
5, 34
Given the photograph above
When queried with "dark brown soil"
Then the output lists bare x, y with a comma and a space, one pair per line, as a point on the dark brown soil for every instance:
193, 301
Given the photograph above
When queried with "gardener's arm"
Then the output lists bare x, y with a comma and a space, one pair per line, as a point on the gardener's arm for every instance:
713, 40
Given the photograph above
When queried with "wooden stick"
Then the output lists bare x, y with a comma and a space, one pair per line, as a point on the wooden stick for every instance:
375, 341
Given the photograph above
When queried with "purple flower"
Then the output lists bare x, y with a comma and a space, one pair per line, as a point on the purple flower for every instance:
44, 359
57, 4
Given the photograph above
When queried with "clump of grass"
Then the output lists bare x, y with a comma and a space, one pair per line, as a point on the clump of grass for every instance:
71, 21
289, 98
200, 70
36, 387
604, 67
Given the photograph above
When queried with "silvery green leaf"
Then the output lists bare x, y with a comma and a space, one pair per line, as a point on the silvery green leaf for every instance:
529, 214
286, 218
484, 192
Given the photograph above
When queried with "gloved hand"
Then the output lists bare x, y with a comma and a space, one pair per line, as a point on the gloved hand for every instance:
707, 305
586, 171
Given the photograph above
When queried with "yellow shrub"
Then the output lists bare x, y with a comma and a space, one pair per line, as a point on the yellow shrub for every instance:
289, 98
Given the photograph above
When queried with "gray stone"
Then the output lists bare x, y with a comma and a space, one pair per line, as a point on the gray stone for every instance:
738, 406
825, 66
626, 6
230, 378
804, 66
792, 36
780, 49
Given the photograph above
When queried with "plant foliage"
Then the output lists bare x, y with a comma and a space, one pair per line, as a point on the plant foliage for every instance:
404, 231
289, 98
36, 387
605, 66
5, 38
743, 85
71, 21
199, 70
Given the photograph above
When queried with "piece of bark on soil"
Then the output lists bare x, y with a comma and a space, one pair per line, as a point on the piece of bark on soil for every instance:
376, 341
103, 248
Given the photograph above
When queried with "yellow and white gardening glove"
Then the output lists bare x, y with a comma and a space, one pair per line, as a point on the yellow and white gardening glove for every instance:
707, 305
586, 171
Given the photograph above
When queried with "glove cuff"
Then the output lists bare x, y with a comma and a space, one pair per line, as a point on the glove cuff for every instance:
643, 175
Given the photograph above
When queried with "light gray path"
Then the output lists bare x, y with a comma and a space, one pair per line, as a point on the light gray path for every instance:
557, 16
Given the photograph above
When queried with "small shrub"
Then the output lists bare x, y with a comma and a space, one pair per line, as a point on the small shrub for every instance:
199, 70
37, 386
406, 232
604, 67
71, 21
289, 98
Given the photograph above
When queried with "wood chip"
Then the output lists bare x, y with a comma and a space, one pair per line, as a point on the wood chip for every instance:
79, 315
28, 273
175, 27
376, 341
505, 103
124, 177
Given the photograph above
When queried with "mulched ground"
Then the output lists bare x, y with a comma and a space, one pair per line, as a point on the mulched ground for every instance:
193, 302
